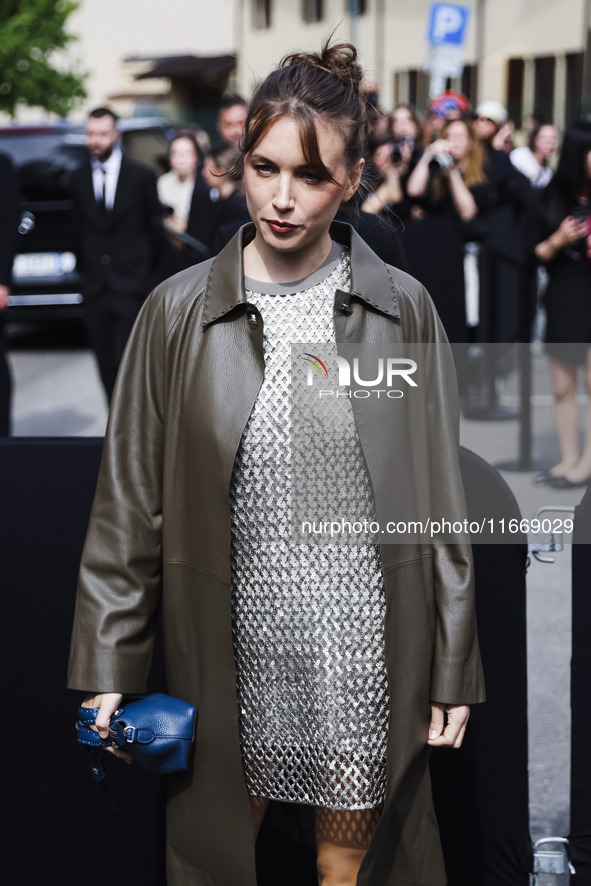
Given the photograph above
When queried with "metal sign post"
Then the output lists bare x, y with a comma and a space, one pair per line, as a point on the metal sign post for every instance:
446, 36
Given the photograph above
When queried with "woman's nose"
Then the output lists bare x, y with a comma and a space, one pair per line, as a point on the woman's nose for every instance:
283, 199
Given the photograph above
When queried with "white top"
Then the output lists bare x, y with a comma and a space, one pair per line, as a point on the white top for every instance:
308, 615
107, 173
176, 193
524, 161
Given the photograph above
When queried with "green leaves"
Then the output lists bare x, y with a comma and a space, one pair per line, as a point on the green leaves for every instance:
33, 70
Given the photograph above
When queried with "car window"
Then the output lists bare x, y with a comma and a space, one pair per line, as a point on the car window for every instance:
44, 161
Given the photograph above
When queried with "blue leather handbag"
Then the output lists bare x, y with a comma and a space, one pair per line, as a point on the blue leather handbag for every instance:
157, 731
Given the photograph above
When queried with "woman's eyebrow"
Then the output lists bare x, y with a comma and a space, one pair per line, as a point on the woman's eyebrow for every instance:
258, 158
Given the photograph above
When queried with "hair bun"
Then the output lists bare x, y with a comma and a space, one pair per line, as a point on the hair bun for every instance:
340, 59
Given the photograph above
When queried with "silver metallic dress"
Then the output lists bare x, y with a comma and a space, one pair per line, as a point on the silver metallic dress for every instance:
308, 619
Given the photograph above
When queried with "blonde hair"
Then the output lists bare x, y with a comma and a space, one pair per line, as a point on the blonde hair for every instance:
473, 173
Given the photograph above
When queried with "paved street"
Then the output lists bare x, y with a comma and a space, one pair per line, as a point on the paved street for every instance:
57, 393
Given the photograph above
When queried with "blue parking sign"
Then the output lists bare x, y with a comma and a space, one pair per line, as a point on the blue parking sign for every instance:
447, 24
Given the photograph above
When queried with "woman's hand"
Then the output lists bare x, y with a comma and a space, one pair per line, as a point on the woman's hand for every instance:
569, 231
450, 733
107, 703
418, 181
441, 146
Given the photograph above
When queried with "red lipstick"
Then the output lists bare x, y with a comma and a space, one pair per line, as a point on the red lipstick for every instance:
280, 227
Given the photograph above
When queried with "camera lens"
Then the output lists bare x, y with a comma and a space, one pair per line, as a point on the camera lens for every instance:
396, 153
440, 163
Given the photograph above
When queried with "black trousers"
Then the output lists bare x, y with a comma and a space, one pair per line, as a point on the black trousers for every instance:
109, 319
5, 385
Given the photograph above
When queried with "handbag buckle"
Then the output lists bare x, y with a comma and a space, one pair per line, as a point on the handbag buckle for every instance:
130, 734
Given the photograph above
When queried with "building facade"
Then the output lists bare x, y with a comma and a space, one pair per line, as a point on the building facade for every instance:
530, 56
121, 40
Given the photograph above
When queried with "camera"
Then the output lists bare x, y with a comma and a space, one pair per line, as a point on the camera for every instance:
441, 163
396, 155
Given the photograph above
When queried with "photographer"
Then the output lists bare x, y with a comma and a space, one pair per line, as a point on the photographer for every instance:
450, 192
449, 178
391, 160
393, 156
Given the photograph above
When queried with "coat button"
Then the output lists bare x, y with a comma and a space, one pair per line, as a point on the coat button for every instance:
106, 259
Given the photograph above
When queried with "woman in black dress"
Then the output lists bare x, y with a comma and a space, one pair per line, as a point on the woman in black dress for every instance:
565, 248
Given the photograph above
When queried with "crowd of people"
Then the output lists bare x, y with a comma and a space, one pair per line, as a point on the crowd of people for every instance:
457, 197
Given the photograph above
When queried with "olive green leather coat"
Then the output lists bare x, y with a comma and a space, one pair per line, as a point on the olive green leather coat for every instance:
159, 534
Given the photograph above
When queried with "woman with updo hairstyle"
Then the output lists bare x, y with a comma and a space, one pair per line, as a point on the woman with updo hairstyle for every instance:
323, 669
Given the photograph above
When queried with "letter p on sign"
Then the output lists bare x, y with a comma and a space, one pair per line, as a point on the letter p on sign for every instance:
447, 24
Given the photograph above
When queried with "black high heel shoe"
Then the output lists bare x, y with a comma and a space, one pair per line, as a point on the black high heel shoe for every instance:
565, 483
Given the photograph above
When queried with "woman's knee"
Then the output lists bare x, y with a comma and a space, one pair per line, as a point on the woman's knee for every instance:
338, 865
342, 839
564, 381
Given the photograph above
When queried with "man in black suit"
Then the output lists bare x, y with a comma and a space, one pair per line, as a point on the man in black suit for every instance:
117, 213
9, 204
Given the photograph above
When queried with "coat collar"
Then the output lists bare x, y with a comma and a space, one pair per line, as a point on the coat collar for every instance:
370, 279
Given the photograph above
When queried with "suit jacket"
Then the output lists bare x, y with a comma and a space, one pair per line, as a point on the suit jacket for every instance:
9, 206
160, 530
118, 250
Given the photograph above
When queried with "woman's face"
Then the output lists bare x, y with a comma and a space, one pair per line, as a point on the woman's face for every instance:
546, 141
183, 157
459, 139
403, 126
290, 205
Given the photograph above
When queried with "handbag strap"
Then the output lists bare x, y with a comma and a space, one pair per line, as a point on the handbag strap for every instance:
118, 734
94, 745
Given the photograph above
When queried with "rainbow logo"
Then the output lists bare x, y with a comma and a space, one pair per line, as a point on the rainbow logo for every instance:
317, 362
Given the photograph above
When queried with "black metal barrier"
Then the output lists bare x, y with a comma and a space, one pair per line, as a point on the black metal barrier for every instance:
580, 787
60, 827
481, 790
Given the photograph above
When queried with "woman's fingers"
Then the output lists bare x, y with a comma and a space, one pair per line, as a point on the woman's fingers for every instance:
107, 703
573, 229
450, 733
117, 752
437, 721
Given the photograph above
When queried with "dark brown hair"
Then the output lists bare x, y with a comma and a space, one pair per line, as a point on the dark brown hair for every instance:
98, 113
311, 87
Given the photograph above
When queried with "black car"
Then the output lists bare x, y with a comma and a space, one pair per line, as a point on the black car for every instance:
46, 283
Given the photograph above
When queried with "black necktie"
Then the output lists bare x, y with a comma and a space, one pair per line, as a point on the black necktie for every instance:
102, 198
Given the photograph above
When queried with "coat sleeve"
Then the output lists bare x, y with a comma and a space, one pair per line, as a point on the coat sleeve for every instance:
456, 673
119, 587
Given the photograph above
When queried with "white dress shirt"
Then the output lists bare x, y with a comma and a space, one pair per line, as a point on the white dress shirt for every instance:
107, 173
524, 160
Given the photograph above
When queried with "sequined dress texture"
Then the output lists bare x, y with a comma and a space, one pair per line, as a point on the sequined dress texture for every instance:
308, 619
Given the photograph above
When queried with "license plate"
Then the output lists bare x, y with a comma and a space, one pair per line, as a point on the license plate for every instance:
43, 264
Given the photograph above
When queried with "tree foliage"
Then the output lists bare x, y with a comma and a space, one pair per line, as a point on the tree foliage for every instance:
32, 33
